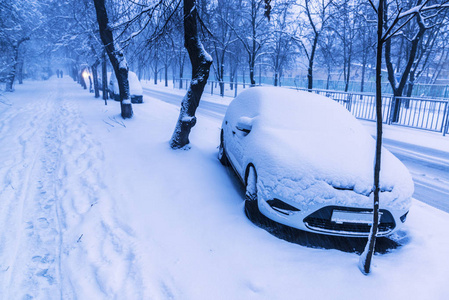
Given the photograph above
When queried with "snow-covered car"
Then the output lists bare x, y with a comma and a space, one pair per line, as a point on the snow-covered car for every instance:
135, 88
308, 163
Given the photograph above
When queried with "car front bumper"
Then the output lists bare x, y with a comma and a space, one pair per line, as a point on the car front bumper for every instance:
326, 219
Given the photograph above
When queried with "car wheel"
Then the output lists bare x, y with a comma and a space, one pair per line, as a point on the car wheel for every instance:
251, 205
221, 152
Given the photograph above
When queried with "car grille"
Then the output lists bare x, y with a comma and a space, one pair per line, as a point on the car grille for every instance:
321, 221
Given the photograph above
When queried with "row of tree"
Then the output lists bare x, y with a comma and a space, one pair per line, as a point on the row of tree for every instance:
331, 38
326, 38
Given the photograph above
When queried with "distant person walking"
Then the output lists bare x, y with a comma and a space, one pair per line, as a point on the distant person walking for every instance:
57, 72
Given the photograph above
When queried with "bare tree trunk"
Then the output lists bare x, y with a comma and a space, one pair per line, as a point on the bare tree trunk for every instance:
166, 74
104, 79
20, 71
409, 88
221, 71
366, 257
235, 79
410, 84
362, 84
201, 62
311, 59
82, 79
116, 57
14, 64
231, 79
348, 75
95, 78
252, 55
74, 71
398, 89
281, 76
440, 67
251, 71
181, 69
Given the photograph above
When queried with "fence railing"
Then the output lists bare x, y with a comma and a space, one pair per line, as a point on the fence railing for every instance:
422, 90
421, 113
419, 89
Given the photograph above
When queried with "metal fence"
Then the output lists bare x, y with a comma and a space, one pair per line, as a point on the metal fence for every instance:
419, 89
421, 113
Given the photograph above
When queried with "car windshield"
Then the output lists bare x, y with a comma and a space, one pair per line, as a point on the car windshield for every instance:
303, 111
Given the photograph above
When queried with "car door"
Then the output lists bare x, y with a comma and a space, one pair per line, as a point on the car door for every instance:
237, 127
240, 129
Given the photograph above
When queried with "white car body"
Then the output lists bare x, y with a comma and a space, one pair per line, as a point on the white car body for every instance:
314, 163
135, 87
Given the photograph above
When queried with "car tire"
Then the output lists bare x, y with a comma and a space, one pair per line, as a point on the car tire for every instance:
251, 205
222, 153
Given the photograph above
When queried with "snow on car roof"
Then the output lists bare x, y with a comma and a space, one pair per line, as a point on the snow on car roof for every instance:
293, 109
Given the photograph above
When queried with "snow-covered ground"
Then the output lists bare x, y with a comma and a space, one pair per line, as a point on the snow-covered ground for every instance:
94, 207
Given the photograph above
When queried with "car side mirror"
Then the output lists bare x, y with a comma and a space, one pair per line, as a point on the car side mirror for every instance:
244, 124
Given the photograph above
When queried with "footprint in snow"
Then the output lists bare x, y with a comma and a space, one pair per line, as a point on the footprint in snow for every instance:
44, 273
43, 223
29, 225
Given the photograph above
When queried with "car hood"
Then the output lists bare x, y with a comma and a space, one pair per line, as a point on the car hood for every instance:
329, 162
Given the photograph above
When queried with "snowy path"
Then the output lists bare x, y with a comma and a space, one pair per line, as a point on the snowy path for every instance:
430, 171
94, 207
52, 199
29, 215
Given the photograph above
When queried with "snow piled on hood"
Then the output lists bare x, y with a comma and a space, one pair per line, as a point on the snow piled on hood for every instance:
309, 148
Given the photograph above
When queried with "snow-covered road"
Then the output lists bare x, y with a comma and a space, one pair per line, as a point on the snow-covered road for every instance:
96, 207
429, 167
430, 171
